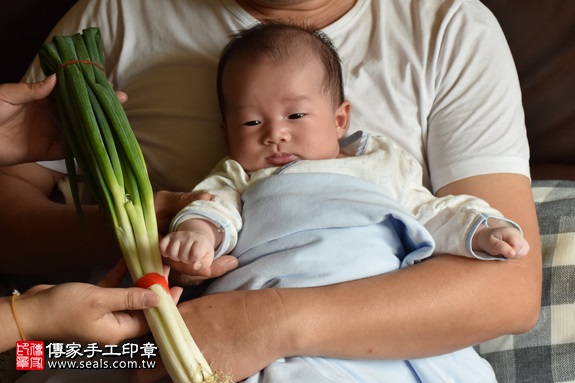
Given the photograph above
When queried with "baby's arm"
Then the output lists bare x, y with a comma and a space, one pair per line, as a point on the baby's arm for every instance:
193, 242
505, 240
215, 223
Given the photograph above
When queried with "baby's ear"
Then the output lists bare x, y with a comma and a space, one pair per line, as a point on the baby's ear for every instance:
342, 118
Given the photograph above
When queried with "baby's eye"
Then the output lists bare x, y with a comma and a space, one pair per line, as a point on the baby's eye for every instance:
295, 116
252, 123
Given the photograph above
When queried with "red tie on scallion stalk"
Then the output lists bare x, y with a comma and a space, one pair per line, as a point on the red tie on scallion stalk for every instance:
99, 138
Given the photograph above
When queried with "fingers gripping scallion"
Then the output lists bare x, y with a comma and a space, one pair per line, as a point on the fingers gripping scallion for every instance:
98, 137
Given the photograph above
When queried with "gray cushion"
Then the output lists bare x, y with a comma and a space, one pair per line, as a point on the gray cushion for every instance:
546, 353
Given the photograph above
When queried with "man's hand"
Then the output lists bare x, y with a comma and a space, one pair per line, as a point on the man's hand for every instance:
184, 274
238, 332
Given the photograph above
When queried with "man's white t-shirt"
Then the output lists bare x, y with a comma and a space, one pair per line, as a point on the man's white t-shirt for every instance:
436, 76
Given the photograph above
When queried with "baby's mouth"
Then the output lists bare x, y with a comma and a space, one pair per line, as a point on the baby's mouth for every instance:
280, 159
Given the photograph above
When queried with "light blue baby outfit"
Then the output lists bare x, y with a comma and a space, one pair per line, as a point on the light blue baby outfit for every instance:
302, 226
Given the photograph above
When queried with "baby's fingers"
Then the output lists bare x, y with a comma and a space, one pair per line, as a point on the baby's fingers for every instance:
172, 247
505, 249
495, 245
521, 246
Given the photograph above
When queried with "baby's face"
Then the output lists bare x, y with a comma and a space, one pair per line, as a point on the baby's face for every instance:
277, 112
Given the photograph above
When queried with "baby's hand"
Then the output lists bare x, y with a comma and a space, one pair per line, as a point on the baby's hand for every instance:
506, 241
188, 247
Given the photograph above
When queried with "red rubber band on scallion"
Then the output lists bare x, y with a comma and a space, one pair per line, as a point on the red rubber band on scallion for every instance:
80, 62
150, 279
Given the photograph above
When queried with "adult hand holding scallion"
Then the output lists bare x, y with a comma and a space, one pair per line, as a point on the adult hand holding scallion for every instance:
98, 137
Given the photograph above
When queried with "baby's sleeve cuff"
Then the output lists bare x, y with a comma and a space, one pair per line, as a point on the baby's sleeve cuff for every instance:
489, 221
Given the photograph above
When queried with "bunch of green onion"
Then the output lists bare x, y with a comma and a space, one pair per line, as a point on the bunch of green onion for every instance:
97, 135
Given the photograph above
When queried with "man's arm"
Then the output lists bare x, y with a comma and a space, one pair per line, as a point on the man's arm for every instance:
437, 306
447, 302
40, 236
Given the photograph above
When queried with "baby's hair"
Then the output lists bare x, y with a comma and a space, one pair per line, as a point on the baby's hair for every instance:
279, 40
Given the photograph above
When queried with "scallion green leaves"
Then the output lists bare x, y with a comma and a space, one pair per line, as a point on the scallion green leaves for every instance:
98, 137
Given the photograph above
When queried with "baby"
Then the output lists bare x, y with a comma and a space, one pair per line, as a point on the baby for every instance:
316, 206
